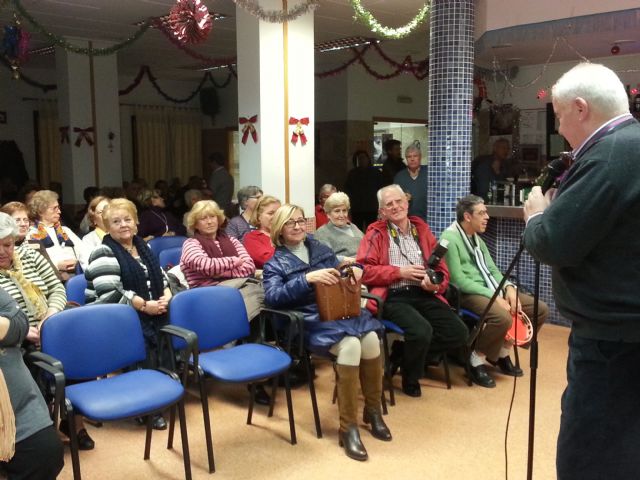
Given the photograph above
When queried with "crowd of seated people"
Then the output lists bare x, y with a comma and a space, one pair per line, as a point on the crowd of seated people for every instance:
265, 252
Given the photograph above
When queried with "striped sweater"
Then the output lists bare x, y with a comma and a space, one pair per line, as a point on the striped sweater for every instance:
201, 270
37, 270
104, 282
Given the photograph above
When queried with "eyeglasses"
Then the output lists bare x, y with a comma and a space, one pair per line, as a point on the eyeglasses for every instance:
292, 223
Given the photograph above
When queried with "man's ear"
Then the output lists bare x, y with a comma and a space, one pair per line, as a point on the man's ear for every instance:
583, 107
467, 217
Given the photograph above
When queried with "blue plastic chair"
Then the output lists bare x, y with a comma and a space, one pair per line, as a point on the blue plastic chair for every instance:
217, 315
159, 244
170, 257
75, 287
94, 341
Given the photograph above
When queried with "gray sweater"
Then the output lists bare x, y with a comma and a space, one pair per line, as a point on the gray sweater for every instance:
28, 405
339, 240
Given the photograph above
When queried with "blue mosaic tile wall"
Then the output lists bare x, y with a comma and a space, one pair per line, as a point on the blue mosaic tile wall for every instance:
451, 55
503, 240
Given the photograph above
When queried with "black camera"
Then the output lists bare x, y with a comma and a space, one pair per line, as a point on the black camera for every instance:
441, 249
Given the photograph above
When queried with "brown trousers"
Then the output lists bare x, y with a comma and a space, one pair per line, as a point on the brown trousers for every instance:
499, 320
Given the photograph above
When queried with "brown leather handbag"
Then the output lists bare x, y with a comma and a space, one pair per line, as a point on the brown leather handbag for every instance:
339, 301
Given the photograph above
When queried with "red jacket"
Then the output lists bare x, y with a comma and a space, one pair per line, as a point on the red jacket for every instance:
373, 253
321, 217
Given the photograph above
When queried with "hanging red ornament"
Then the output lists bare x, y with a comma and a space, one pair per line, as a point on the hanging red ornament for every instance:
615, 50
298, 131
542, 94
248, 127
189, 21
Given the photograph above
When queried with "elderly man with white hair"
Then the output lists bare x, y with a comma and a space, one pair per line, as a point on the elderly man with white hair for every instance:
395, 252
413, 181
589, 235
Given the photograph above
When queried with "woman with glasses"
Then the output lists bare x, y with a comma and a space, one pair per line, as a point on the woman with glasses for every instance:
239, 225
65, 249
123, 269
155, 219
94, 213
258, 241
289, 277
20, 213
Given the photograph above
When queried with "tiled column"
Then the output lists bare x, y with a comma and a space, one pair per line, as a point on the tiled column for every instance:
450, 108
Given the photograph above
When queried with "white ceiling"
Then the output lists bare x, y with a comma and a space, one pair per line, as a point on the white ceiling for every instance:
113, 20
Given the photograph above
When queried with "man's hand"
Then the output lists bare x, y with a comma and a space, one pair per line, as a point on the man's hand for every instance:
536, 203
511, 296
428, 286
412, 272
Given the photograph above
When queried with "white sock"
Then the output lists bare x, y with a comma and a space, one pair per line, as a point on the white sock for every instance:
476, 359
504, 352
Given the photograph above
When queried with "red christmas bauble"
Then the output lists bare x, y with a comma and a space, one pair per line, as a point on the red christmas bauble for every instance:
190, 22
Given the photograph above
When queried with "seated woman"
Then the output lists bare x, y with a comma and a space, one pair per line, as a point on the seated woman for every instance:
64, 247
325, 192
258, 242
342, 236
123, 269
38, 453
239, 225
20, 213
289, 276
31, 281
155, 219
94, 214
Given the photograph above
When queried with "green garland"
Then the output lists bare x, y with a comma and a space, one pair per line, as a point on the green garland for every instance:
61, 42
366, 17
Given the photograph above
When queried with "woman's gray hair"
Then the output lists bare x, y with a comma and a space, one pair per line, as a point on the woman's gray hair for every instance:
338, 199
245, 193
8, 226
599, 86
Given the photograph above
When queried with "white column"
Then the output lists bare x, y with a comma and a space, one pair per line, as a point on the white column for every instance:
263, 62
79, 107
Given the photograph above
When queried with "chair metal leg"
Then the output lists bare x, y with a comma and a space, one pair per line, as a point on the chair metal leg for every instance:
204, 400
312, 393
172, 423
73, 436
292, 424
274, 390
445, 365
185, 440
147, 443
383, 400
387, 380
252, 395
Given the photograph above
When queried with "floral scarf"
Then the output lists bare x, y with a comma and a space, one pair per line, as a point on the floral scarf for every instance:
42, 235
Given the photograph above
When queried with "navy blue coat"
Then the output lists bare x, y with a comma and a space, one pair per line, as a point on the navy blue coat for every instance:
286, 287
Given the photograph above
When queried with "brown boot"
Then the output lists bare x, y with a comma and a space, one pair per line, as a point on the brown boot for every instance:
349, 437
371, 383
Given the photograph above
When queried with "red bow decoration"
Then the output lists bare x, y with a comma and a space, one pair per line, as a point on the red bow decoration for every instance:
249, 127
64, 134
298, 131
83, 134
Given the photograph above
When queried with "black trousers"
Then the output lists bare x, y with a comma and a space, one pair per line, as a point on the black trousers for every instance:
38, 457
430, 326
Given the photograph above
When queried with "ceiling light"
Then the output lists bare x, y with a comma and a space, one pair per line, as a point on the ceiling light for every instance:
343, 43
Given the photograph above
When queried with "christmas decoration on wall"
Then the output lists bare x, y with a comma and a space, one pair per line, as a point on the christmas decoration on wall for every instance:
248, 127
366, 17
277, 16
83, 134
64, 134
15, 47
298, 131
189, 21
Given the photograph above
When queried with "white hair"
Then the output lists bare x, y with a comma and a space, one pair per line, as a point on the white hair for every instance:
412, 148
598, 85
8, 226
384, 190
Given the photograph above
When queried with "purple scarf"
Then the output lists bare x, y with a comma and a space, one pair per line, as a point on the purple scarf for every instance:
209, 245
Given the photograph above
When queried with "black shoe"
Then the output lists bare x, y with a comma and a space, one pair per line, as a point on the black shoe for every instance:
507, 367
379, 429
157, 423
480, 376
411, 389
85, 442
352, 444
261, 397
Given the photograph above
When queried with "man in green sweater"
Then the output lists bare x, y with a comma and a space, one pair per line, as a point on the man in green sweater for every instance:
474, 272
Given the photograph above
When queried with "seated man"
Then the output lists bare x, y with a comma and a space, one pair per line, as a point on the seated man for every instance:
476, 275
394, 252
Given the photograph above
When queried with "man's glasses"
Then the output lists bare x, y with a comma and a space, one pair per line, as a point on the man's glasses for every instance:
292, 223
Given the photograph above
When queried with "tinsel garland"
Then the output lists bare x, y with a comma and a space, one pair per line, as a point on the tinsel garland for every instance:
61, 42
29, 81
366, 17
277, 16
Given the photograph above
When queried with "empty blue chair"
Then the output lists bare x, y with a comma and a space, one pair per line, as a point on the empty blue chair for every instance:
158, 244
217, 316
75, 287
94, 341
170, 257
